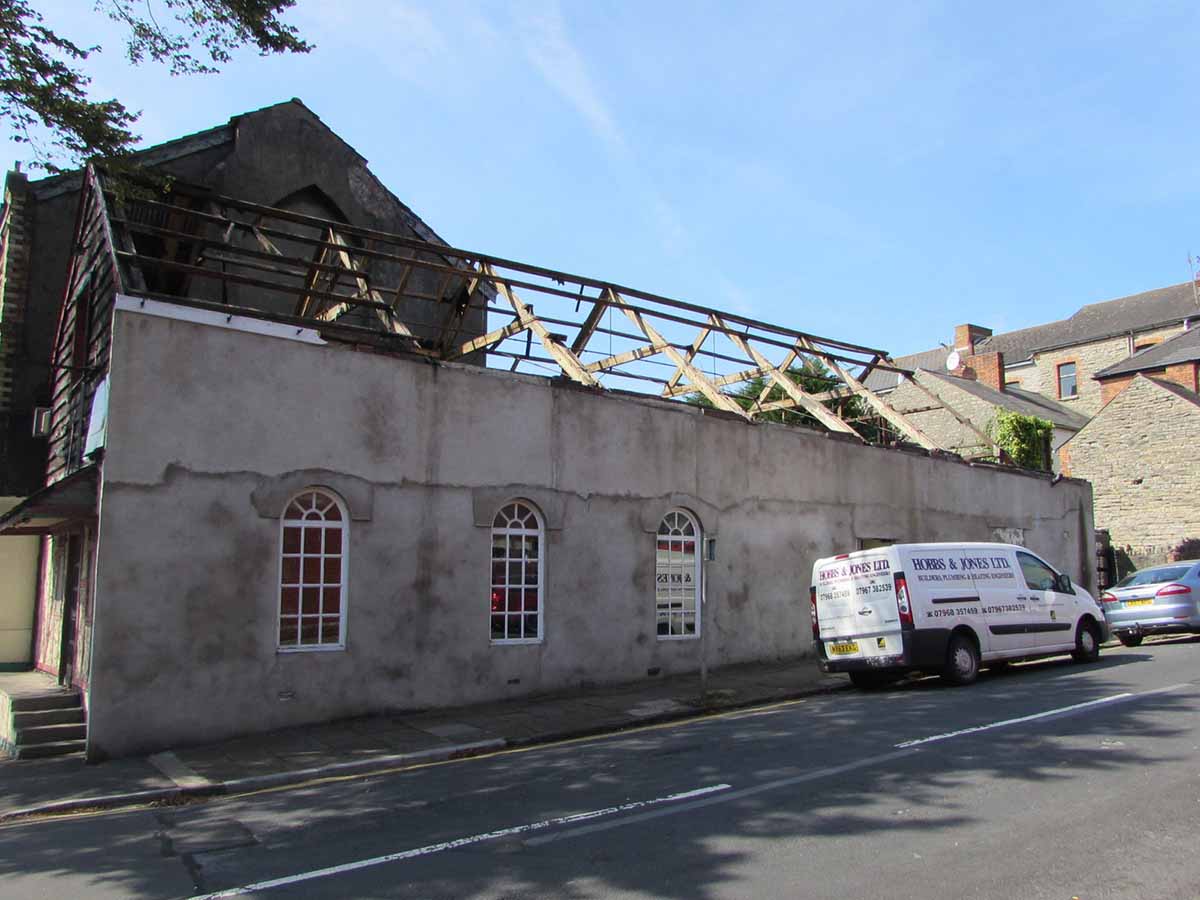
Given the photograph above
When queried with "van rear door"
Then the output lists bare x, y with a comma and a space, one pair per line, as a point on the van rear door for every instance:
855, 595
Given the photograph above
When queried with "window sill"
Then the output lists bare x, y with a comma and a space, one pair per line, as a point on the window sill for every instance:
312, 648
510, 642
677, 637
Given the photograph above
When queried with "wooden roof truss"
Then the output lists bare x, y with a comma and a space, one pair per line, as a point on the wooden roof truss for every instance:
414, 296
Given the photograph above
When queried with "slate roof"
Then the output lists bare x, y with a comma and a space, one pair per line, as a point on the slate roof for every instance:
1095, 321
1181, 348
1025, 402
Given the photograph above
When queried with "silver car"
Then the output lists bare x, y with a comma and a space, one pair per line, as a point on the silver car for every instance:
1158, 600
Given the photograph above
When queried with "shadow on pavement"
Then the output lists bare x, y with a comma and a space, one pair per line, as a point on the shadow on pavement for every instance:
688, 855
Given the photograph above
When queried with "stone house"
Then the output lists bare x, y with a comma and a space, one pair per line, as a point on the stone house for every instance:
960, 396
1139, 450
1060, 359
281, 486
1075, 369
1175, 359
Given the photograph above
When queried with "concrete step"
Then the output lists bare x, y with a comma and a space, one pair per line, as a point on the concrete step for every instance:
58, 748
49, 700
50, 734
68, 715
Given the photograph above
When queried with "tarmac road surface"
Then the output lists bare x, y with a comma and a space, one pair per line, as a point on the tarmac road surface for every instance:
1050, 779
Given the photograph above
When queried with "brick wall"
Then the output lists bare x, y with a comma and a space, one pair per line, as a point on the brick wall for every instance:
1183, 374
965, 337
1110, 387
987, 368
1139, 454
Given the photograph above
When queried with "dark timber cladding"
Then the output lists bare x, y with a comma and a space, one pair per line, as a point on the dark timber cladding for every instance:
194, 247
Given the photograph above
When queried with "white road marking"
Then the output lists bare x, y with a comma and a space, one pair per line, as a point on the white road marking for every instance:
458, 842
1048, 714
815, 775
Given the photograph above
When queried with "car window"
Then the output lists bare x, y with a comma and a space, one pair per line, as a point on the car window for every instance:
1156, 575
1038, 575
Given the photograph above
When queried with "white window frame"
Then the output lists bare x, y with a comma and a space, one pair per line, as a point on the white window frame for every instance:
343, 585
540, 533
698, 576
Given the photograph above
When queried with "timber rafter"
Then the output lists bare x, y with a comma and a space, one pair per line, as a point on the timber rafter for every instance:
411, 295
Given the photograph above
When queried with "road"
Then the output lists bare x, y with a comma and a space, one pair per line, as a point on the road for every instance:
1051, 779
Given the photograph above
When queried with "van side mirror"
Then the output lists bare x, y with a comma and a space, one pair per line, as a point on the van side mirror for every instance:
1062, 584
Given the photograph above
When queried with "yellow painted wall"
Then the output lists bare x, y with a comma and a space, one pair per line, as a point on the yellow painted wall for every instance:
18, 579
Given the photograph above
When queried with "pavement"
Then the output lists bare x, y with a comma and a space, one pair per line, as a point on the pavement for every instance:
371, 744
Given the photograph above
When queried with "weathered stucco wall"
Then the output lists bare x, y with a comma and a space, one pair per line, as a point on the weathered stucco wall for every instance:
208, 427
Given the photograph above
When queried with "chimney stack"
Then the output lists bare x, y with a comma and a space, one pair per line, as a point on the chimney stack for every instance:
965, 337
986, 368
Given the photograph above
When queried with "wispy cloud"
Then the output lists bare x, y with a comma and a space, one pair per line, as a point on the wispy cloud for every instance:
549, 47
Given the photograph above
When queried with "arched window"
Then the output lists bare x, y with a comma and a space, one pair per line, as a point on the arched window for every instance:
677, 576
516, 603
314, 534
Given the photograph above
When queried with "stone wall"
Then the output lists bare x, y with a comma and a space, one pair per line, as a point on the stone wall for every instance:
1139, 453
939, 423
944, 428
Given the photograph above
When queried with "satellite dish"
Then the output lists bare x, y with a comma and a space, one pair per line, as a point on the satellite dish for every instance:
953, 360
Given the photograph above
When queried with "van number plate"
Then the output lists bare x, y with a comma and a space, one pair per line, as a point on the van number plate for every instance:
844, 647
1129, 603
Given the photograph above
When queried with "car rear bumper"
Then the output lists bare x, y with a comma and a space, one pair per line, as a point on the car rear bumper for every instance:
1156, 626
923, 649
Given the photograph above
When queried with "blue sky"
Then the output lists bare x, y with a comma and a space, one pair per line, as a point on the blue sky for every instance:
873, 172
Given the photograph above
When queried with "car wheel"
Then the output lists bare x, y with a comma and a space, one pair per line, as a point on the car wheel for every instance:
1130, 640
962, 661
1087, 643
871, 681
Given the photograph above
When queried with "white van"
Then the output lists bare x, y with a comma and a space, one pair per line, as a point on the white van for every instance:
946, 608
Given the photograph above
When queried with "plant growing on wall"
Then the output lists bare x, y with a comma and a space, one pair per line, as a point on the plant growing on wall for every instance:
1188, 548
1025, 439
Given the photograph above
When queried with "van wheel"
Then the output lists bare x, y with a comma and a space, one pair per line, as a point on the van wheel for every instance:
1087, 643
1130, 640
962, 661
871, 681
